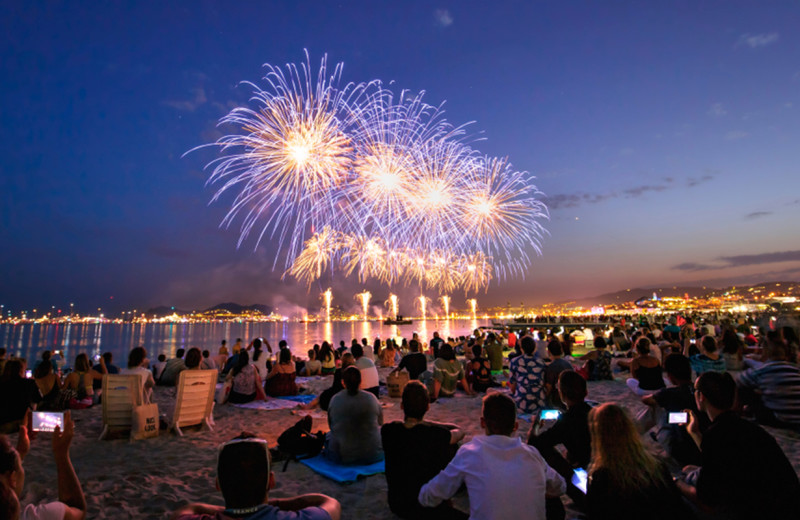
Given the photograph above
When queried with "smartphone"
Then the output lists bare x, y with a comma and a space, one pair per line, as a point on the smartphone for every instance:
678, 418
97, 358
47, 421
692, 341
29, 374
580, 479
550, 415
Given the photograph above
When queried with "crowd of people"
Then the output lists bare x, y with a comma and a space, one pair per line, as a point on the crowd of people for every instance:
695, 451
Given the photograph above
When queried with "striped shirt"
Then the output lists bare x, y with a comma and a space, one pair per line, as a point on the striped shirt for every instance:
702, 363
779, 383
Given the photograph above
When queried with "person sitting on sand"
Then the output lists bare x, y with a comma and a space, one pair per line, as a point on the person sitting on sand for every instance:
494, 352
17, 395
313, 365
246, 383
709, 357
744, 473
370, 380
136, 360
448, 374
388, 354
176, 365
50, 387
208, 362
415, 361
71, 504
626, 482
193, 360
324, 399
526, 379
505, 478
646, 374
245, 477
281, 379
222, 356
554, 368
159, 366
355, 418
772, 392
111, 368
598, 362
327, 358
80, 381
479, 371
416, 451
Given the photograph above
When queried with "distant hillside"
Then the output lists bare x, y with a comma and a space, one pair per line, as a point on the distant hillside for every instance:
163, 310
237, 308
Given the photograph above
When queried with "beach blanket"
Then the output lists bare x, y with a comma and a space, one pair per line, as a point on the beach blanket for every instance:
302, 398
340, 473
269, 404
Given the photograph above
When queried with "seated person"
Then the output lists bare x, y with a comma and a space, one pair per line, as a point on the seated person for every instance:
313, 365
677, 398
553, 369
71, 504
79, 382
448, 373
416, 451
415, 361
176, 365
281, 379
646, 375
325, 397
388, 354
193, 360
369, 373
708, 358
772, 392
208, 362
327, 358
504, 477
598, 362
245, 477
111, 368
526, 379
744, 473
355, 418
494, 351
159, 366
246, 384
137, 358
626, 482
50, 387
479, 371
17, 395
221, 359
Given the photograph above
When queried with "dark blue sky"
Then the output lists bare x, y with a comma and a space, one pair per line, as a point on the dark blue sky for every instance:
666, 137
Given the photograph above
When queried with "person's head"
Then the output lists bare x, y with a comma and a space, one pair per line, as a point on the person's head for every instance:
193, 358
554, 348
206, 354
108, 357
43, 370
678, 368
498, 414
617, 448
643, 346
413, 345
282, 344
136, 357
599, 343
351, 379
731, 344
243, 472
241, 362
82, 363
46, 355
571, 387
353, 342
162, 358
708, 344
447, 353
179, 353
312, 354
436, 334
528, 345
376, 345
223, 344
257, 344
776, 350
348, 360
2, 353
415, 401
789, 335
714, 392
285, 357
357, 350
476, 350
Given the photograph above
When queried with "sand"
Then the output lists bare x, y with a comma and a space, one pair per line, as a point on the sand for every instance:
151, 478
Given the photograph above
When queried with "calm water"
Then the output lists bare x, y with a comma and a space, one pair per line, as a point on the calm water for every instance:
29, 340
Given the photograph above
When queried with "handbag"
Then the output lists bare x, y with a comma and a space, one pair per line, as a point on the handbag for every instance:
144, 421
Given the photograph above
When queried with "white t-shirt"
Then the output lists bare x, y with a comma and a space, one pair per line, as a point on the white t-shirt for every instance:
369, 374
51, 511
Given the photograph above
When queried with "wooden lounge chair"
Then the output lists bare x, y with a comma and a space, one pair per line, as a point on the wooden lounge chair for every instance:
120, 394
194, 402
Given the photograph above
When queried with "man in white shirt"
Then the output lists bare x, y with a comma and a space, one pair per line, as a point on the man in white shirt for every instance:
505, 477
370, 380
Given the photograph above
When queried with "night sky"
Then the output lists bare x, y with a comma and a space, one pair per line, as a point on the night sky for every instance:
665, 137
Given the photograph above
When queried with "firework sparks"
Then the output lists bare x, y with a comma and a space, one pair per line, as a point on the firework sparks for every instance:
446, 303
364, 297
327, 296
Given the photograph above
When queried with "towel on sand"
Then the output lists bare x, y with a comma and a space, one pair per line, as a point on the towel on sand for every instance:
341, 473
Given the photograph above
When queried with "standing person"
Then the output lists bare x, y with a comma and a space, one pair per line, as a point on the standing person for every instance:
504, 477
71, 504
626, 482
416, 451
527, 379
222, 356
245, 478
436, 344
237, 347
355, 418
136, 359
370, 380
744, 473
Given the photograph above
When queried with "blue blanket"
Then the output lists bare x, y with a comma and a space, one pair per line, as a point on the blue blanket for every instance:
341, 473
302, 398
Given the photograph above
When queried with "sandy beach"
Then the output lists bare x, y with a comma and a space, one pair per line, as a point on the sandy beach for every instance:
152, 478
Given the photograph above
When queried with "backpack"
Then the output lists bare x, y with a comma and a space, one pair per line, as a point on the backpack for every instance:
297, 442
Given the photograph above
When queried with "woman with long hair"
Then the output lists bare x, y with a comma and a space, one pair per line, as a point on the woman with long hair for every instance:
49, 385
80, 380
280, 380
327, 358
625, 480
245, 379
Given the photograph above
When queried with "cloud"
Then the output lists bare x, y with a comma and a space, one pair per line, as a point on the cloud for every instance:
757, 214
755, 41
573, 200
717, 110
443, 18
735, 135
742, 260
189, 105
